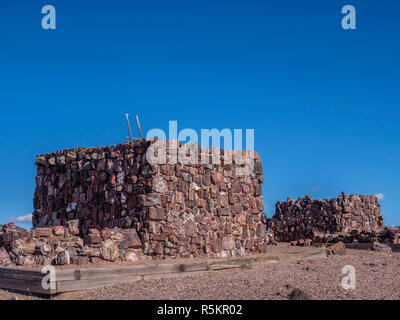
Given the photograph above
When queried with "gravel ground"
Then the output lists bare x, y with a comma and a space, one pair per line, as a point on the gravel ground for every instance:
377, 277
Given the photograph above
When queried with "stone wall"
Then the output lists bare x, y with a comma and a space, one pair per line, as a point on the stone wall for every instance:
390, 235
351, 218
178, 210
61, 245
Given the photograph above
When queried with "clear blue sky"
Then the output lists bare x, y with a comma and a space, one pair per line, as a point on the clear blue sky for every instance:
324, 102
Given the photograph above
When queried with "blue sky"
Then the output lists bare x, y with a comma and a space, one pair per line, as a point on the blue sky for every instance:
323, 101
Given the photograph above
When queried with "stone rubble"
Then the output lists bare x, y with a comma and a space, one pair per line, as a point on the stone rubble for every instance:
298, 294
337, 248
381, 247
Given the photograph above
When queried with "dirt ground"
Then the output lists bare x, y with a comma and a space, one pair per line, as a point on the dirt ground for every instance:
377, 276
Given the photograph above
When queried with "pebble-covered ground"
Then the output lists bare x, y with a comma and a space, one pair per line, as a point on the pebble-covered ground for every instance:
377, 277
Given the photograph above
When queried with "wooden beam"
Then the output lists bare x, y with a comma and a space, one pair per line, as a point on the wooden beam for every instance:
102, 273
77, 285
21, 274
172, 275
360, 246
34, 286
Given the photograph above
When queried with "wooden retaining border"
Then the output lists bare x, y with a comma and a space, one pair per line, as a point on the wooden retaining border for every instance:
30, 281
23, 280
360, 246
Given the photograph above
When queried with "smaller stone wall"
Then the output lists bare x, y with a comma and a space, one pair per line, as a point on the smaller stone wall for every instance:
390, 235
349, 218
60, 245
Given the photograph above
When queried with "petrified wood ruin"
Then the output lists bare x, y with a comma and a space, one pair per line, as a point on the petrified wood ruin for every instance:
349, 218
111, 202
114, 203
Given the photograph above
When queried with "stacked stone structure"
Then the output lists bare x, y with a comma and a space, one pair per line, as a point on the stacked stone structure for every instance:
390, 235
186, 208
349, 218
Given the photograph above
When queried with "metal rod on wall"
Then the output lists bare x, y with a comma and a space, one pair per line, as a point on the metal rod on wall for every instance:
129, 127
138, 124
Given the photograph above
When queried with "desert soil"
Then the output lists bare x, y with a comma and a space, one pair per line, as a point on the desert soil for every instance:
377, 277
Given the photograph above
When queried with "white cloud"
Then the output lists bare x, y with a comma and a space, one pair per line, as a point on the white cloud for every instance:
22, 219
380, 196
